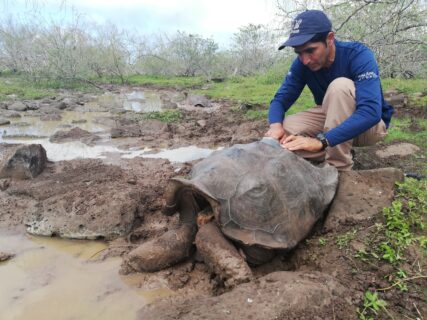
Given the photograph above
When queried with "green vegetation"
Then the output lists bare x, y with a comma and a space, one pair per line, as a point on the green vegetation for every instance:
323, 241
167, 116
402, 226
161, 81
403, 219
410, 130
344, 240
21, 88
371, 304
407, 86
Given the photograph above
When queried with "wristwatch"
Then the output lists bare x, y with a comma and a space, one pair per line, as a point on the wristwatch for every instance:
321, 137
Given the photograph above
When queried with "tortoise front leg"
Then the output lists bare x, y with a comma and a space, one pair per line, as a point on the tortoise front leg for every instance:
221, 256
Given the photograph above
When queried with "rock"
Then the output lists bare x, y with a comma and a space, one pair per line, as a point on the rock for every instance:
4, 122
247, 132
201, 123
197, 100
218, 79
278, 295
33, 105
397, 101
22, 161
3, 106
147, 128
17, 106
399, 149
51, 117
48, 109
164, 251
221, 256
169, 105
61, 106
75, 134
5, 256
12, 114
361, 195
81, 199
4, 184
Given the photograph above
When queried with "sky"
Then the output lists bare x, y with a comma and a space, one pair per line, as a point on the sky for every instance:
217, 19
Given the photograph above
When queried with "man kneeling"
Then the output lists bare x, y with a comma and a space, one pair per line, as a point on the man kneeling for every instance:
344, 80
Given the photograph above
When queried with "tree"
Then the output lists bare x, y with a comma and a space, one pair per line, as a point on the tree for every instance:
254, 49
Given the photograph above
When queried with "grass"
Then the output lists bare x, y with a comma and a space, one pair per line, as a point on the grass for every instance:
407, 86
399, 130
167, 116
22, 89
163, 81
402, 226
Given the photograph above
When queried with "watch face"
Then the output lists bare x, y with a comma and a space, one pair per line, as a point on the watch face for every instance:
321, 137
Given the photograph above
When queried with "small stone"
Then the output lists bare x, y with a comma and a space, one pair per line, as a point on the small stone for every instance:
51, 117
201, 123
184, 278
61, 106
132, 181
5, 256
18, 106
400, 149
4, 122
4, 184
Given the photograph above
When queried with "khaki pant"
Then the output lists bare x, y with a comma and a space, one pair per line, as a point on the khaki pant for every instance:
338, 104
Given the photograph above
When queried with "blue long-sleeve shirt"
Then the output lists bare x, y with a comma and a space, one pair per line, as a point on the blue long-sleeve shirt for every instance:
353, 61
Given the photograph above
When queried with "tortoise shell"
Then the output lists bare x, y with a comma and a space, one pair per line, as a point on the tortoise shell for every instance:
260, 193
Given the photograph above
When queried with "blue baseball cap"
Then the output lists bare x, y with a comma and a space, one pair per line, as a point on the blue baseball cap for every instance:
305, 26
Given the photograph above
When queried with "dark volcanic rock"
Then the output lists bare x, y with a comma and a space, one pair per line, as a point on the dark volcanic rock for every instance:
22, 161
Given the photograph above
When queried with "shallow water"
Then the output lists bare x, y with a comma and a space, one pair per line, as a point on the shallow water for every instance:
30, 129
138, 101
51, 278
38, 128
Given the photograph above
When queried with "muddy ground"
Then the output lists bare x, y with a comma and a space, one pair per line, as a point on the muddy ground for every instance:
318, 280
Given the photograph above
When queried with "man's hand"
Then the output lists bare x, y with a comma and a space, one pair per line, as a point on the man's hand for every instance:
276, 131
293, 143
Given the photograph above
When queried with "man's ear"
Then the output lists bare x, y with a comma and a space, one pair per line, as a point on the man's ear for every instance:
330, 38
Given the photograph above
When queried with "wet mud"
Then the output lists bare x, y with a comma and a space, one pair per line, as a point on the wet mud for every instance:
107, 170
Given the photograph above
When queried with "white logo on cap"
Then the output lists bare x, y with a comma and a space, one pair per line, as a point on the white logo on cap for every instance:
295, 25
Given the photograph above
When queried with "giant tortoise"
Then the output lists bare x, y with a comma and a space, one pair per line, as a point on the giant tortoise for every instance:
262, 197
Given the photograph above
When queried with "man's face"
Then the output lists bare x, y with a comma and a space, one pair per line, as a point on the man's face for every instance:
314, 55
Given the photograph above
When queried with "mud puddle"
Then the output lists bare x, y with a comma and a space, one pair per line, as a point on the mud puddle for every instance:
96, 117
51, 278
33, 126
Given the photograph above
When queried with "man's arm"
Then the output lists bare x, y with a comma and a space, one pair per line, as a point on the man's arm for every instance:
288, 93
368, 100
